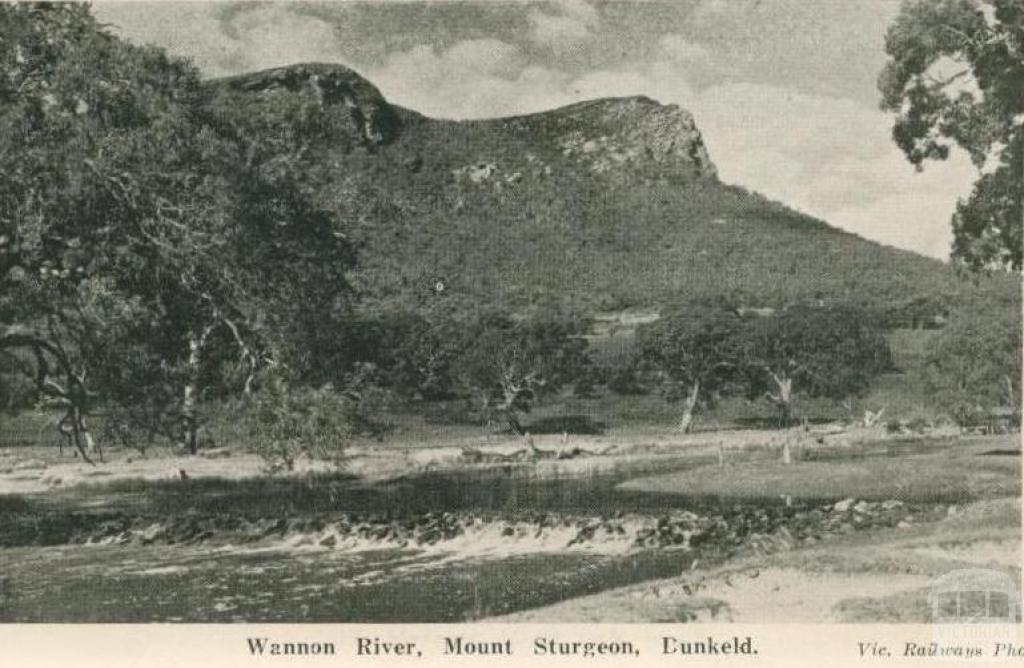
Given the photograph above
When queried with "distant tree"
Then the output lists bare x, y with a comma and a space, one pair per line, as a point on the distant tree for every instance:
831, 351
508, 364
974, 365
403, 351
956, 75
698, 350
923, 311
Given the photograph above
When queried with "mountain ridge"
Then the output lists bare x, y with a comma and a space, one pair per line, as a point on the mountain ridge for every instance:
602, 204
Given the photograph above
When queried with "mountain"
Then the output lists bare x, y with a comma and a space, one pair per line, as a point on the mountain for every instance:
603, 205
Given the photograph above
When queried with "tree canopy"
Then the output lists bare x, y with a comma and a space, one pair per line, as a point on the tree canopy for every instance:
133, 231
974, 365
507, 364
699, 351
707, 351
831, 351
955, 76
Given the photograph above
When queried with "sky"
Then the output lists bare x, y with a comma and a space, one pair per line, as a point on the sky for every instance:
782, 90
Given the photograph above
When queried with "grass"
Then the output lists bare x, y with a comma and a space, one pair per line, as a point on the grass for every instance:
947, 474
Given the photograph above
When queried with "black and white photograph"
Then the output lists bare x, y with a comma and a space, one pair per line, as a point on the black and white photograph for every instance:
526, 312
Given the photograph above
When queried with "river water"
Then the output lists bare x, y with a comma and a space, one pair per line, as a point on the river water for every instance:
430, 548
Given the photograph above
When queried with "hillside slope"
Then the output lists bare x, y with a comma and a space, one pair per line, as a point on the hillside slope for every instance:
601, 205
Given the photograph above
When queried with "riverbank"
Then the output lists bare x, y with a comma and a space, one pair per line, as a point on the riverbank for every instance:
881, 574
653, 530
877, 576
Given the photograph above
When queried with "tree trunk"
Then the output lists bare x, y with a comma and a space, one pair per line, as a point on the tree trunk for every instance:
76, 433
686, 421
513, 422
90, 445
189, 410
784, 399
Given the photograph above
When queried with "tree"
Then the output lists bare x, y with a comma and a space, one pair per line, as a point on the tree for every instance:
956, 76
66, 87
123, 203
974, 366
699, 351
508, 364
410, 354
831, 351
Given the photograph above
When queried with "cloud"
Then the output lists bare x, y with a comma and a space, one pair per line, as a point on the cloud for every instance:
565, 30
261, 36
470, 79
489, 56
273, 35
680, 49
834, 159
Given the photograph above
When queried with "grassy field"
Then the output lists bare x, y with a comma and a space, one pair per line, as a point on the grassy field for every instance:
951, 475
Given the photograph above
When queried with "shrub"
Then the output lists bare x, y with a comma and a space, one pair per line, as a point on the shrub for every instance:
627, 379
285, 423
973, 366
919, 425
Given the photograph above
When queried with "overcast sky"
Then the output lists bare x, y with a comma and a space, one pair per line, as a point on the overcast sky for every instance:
783, 90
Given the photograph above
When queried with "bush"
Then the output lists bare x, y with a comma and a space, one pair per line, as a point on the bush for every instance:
919, 425
973, 366
627, 379
286, 423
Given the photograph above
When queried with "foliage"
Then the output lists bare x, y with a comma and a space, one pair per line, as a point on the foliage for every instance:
699, 349
828, 350
285, 423
956, 76
407, 352
974, 364
506, 364
709, 350
921, 311
70, 98
134, 236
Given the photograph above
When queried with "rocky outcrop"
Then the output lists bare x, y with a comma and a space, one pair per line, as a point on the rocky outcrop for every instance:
334, 87
614, 137
606, 135
634, 130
